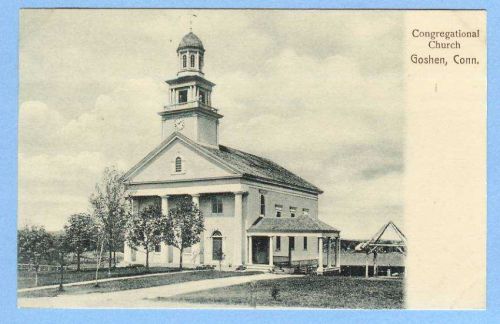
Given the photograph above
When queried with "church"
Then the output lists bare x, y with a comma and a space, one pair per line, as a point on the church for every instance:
257, 213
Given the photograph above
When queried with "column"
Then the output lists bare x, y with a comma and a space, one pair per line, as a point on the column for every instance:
127, 253
164, 211
328, 256
366, 265
250, 250
320, 255
239, 229
200, 247
196, 199
164, 204
337, 252
271, 250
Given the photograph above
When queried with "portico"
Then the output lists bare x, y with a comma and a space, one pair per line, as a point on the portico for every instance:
263, 237
232, 229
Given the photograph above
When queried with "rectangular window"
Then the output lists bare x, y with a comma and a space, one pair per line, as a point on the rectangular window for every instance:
217, 205
183, 96
202, 97
305, 243
293, 211
279, 208
278, 243
133, 253
262, 205
157, 248
291, 243
305, 211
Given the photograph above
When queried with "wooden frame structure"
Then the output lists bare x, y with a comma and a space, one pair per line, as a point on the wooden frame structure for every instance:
374, 243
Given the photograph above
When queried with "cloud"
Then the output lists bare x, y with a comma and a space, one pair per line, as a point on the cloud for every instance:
38, 125
121, 122
52, 187
311, 90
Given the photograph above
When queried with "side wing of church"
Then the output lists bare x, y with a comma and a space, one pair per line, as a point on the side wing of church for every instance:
257, 213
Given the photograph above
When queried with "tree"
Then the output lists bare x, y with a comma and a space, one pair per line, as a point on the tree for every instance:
111, 207
59, 248
145, 229
34, 246
81, 234
183, 226
101, 240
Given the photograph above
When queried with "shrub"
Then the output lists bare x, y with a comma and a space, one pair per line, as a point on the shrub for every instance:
275, 293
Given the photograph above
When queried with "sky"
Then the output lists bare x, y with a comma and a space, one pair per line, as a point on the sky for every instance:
319, 92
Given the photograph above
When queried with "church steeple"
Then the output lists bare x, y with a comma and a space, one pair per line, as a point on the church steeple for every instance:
190, 109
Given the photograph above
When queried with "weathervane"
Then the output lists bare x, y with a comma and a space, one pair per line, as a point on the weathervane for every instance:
191, 22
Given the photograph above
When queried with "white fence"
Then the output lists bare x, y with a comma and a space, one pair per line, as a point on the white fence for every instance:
52, 268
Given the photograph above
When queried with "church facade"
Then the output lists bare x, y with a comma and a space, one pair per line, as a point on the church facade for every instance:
256, 212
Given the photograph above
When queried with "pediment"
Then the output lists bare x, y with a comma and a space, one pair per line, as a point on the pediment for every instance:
161, 166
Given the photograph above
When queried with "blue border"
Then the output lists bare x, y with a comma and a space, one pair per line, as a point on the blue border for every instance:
8, 171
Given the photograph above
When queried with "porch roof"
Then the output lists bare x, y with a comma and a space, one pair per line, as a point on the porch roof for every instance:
300, 224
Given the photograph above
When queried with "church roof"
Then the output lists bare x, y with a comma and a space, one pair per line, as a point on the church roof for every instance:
190, 40
248, 165
259, 167
300, 224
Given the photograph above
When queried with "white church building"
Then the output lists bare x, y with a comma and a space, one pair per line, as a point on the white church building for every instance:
256, 212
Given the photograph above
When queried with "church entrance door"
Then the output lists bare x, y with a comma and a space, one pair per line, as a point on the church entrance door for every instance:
260, 249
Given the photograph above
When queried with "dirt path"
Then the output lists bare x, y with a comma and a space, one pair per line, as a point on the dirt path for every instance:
139, 298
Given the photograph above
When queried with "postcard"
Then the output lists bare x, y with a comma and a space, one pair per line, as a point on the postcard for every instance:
284, 159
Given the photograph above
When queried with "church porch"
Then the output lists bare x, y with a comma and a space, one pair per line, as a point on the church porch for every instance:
272, 242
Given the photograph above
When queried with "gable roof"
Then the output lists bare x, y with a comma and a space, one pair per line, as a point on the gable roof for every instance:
300, 224
246, 164
259, 167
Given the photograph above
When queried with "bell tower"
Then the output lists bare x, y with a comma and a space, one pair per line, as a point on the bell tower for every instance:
190, 109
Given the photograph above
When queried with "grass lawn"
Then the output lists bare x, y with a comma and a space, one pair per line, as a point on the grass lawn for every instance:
27, 279
136, 283
308, 291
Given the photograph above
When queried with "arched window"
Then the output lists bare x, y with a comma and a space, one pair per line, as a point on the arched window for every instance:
178, 164
262, 205
191, 61
217, 253
184, 61
200, 63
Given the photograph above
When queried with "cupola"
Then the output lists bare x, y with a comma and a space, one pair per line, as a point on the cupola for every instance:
190, 54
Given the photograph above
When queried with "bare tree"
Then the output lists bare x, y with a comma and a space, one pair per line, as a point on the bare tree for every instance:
111, 207
145, 229
183, 226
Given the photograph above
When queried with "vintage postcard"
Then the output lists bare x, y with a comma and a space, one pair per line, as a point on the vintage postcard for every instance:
331, 159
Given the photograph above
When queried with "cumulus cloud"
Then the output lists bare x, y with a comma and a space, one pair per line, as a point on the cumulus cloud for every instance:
310, 90
52, 187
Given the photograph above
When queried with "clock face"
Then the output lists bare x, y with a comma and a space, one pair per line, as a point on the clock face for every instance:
179, 124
